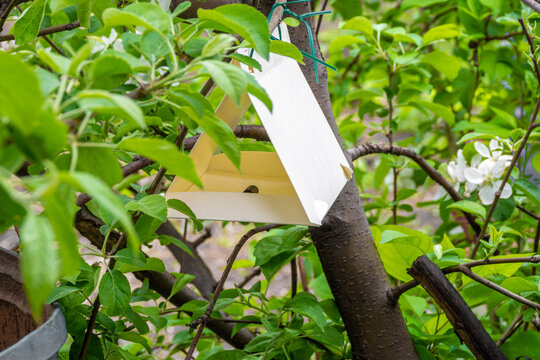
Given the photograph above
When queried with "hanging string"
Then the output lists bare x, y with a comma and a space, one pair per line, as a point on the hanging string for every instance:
301, 18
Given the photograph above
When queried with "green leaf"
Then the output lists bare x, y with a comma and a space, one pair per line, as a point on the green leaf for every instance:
228, 77
105, 198
440, 111
181, 281
61, 291
446, 31
84, 10
111, 104
506, 270
249, 61
152, 205
446, 64
223, 135
12, 210
109, 71
243, 20
100, 162
82, 54
150, 16
27, 27
535, 162
182, 207
39, 262
266, 248
470, 207
258, 91
60, 211
20, 95
167, 239
217, 44
286, 49
166, 154
529, 190
184, 96
153, 45
306, 304
57, 63
359, 23
114, 292
132, 258
399, 253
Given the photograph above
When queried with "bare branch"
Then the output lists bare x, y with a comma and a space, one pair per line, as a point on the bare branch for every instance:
367, 149
46, 31
201, 322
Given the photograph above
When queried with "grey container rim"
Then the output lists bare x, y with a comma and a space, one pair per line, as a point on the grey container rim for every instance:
42, 343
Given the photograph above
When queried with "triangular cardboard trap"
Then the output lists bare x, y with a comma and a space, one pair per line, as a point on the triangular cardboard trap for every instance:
295, 185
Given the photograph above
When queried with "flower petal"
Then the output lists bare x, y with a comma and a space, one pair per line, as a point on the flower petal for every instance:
507, 191
486, 194
482, 149
498, 169
473, 176
494, 145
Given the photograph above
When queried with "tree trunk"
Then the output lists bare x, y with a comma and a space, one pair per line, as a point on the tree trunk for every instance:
347, 251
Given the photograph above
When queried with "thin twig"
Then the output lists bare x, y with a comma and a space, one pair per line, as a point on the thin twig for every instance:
201, 322
5, 14
468, 272
303, 276
46, 31
530, 213
514, 325
319, 21
535, 244
294, 278
396, 292
161, 173
368, 148
207, 234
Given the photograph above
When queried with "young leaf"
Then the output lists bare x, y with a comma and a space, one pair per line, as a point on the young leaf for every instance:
306, 304
100, 162
39, 262
27, 27
105, 198
181, 281
440, 32
150, 16
152, 205
166, 154
20, 95
111, 104
12, 210
109, 71
286, 49
243, 20
114, 292
470, 207
60, 215
181, 206
228, 77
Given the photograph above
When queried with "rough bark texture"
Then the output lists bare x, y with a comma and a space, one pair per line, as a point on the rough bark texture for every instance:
348, 255
466, 325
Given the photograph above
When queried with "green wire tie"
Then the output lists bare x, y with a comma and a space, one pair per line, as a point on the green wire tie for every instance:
287, 11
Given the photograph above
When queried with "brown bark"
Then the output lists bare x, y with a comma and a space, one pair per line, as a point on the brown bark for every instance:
467, 327
348, 254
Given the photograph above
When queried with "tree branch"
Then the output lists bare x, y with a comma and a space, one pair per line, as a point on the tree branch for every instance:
465, 270
201, 322
367, 149
395, 293
467, 327
46, 31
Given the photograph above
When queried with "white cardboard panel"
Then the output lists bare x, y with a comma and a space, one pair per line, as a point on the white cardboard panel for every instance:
300, 133
242, 207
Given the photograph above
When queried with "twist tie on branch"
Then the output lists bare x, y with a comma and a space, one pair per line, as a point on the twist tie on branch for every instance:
300, 18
